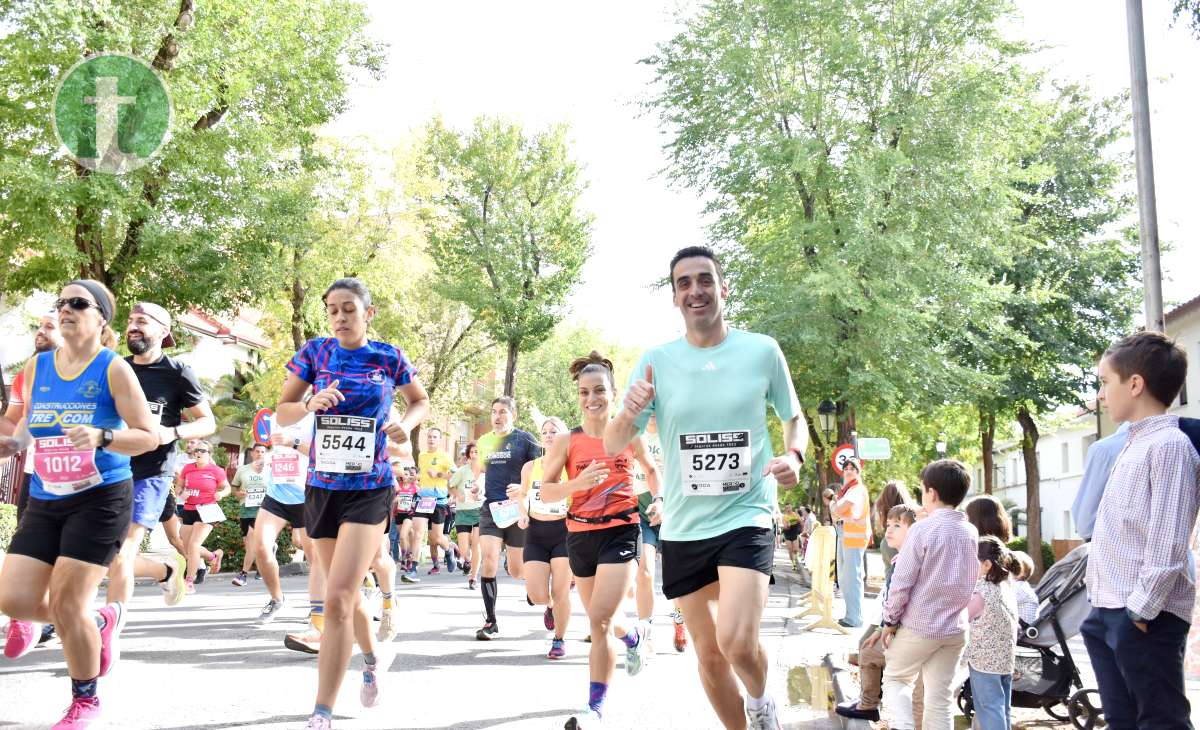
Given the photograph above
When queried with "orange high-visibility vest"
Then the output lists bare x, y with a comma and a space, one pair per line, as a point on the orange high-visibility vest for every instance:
856, 524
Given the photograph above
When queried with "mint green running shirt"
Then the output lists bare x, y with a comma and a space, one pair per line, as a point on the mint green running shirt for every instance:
709, 402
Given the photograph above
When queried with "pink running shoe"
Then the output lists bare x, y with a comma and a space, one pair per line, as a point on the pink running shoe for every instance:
369, 695
110, 635
548, 619
21, 637
214, 565
81, 714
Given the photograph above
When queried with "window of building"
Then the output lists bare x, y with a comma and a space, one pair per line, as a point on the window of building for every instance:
1067, 529
1066, 458
1183, 394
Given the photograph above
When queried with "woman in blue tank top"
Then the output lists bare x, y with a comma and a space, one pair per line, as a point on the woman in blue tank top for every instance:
87, 413
349, 382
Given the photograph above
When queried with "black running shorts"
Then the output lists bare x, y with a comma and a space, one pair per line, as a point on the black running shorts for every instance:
513, 536
168, 508
689, 565
545, 540
620, 544
293, 514
326, 509
89, 526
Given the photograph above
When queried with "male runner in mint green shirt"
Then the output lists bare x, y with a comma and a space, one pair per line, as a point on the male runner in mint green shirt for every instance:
709, 393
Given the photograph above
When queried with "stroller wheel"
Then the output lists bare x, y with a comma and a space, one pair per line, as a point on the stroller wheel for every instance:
1062, 715
1084, 714
965, 705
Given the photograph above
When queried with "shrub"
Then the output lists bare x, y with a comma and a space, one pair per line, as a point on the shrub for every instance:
227, 536
1022, 544
8, 524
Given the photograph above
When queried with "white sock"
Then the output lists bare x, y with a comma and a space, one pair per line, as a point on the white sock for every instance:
758, 704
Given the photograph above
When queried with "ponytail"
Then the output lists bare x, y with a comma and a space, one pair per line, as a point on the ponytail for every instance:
1004, 563
594, 362
108, 338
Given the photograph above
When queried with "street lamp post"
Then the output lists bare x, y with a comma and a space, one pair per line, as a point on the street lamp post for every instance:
826, 411
941, 446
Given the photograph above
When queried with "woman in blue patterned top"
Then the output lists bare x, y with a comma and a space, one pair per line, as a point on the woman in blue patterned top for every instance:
349, 382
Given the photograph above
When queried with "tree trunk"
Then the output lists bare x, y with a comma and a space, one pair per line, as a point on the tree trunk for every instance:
298, 295
847, 422
1033, 499
987, 433
510, 371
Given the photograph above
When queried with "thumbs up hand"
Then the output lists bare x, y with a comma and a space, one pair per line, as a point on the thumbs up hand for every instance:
641, 394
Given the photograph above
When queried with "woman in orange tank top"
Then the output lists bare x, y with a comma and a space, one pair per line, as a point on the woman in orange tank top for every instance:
603, 528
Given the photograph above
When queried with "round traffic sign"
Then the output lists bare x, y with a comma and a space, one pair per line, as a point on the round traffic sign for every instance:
262, 426
841, 455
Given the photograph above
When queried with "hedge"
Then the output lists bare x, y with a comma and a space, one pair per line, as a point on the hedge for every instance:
227, 536
1022, 544
8, 524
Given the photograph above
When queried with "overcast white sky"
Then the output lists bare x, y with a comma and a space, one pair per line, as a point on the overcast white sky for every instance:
542, 62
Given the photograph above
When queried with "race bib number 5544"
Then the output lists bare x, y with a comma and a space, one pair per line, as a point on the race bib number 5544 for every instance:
345, 444
715, 463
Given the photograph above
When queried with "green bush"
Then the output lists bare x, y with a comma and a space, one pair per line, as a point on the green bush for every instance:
227, 536
8, 524
1022, 544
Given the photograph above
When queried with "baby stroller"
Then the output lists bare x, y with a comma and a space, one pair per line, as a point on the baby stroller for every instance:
1045, 674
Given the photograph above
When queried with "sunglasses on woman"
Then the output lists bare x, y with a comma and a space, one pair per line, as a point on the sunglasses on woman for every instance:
76, 303
201, 451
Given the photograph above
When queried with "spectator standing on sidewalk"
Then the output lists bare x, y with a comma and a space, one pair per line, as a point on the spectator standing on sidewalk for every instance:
1140, 581
851, 513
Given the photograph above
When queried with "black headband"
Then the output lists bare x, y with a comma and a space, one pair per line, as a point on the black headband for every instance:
98, 294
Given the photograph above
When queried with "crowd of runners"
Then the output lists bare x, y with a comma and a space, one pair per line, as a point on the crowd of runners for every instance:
675, 466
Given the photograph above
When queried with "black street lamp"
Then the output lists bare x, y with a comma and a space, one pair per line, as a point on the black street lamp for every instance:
826, 410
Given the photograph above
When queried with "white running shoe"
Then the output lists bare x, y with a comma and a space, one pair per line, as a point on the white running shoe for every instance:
318, 722
175, 587
387, 625
764, 718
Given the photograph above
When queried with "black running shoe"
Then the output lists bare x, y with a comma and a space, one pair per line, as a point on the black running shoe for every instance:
487, 632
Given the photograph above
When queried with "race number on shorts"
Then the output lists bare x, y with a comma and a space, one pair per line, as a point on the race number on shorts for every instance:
210, 513
345, 444
63, 469
536, 504
715, 463
505, 513
426, 505
254, 497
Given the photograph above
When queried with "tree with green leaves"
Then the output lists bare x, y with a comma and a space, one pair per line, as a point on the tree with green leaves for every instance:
249, 82
504, 228
1189, 11
544, 382
1073, 278
859, 159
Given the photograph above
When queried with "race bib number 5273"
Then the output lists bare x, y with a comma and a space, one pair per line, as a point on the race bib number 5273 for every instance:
715, 463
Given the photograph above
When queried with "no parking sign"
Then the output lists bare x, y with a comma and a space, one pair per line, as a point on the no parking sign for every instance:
841, 455
262, 427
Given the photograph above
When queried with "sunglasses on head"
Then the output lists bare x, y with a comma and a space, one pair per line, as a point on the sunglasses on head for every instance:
76, 303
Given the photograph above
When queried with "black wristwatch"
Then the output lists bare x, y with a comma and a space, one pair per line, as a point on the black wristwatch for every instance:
799, 455
106, 438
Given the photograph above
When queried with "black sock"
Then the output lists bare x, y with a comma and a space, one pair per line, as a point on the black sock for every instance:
83, 687
170, 572
489, 598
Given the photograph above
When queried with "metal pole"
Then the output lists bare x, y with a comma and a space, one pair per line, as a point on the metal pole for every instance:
1147, 204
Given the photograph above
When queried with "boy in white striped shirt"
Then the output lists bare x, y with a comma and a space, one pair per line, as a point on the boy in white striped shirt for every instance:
1139, 580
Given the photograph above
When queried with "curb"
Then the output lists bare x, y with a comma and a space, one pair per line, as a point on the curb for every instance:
843, 690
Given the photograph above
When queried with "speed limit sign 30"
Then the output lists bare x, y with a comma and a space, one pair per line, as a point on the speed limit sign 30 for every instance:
841, 455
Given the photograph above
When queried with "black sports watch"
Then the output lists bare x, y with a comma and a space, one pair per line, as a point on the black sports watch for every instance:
799, 455
106, 438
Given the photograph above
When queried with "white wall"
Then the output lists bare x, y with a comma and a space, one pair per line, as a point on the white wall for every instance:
1058, 484
1186, 331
